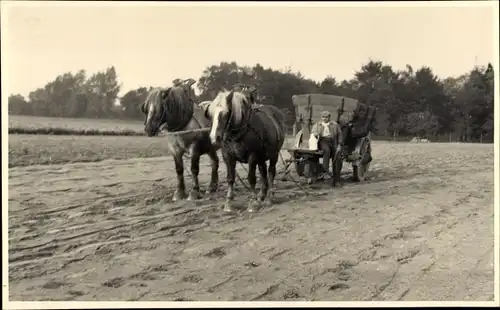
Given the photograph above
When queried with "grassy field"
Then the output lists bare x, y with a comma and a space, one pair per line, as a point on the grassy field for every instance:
48, 140
19, 124
25, 150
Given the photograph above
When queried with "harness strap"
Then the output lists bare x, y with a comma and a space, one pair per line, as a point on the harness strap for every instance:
237, 133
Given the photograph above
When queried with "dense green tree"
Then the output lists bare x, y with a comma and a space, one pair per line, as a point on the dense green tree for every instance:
131, 101
19, 106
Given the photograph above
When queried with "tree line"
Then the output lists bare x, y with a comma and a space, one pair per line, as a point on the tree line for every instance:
409, 102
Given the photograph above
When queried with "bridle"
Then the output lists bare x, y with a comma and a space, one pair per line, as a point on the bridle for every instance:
161, 122
237, 132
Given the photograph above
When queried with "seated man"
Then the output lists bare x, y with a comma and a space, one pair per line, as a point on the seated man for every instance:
329, 135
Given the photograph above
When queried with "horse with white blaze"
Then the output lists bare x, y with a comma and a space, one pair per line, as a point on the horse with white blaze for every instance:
247, 134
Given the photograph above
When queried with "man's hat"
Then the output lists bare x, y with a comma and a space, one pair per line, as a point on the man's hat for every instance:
325, 114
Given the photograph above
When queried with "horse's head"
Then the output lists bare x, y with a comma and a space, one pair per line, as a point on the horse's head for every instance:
154, 108
170, 107
226, 112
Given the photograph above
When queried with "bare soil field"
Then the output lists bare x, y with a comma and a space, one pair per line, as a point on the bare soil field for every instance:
420, 229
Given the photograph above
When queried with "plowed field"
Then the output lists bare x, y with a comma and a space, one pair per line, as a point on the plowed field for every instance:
421, 228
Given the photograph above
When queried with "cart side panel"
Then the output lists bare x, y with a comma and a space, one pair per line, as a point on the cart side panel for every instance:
332, 103
309, 107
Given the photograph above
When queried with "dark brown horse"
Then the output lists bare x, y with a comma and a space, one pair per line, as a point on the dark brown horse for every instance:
172, 108
247, 134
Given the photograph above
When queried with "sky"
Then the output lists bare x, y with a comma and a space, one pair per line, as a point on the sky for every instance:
150, 44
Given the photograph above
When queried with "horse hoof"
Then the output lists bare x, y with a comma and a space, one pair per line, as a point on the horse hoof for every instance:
253, 206
193, 195
228, 207
268, 202
178, 196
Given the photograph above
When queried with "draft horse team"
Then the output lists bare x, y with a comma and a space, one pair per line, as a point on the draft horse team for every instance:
232, 122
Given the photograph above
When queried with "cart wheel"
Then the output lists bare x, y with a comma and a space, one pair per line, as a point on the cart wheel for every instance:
359, 172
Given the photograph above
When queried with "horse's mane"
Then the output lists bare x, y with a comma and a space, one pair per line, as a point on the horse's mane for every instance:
238, 100
153, 97
177, 109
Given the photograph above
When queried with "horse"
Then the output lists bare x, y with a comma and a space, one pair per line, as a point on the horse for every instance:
247, 134
172, 108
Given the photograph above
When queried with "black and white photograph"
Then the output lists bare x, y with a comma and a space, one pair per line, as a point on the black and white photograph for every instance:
292, 152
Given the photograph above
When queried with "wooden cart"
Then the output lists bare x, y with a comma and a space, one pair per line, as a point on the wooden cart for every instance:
356, 120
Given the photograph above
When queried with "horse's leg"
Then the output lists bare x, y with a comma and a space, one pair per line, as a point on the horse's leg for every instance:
252, 168
194, 194
336, 168
231, 174
264, 187
252, 180
271, 175
180, 193
214, 182
337, 162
